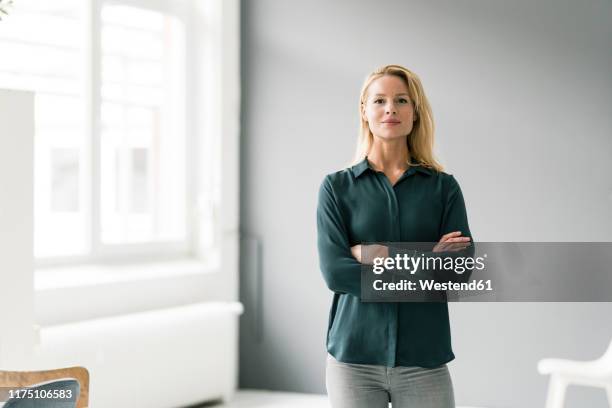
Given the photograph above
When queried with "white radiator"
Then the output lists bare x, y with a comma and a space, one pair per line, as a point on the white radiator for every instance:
157, 359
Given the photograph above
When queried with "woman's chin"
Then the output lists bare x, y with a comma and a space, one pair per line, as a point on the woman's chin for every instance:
390, 136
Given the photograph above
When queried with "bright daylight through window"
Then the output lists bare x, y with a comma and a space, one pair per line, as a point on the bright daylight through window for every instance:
110, 134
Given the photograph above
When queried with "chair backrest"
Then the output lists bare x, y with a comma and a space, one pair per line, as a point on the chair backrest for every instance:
20, 379
607, 357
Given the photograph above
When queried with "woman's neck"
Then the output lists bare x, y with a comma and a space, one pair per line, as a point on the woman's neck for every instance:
389, 155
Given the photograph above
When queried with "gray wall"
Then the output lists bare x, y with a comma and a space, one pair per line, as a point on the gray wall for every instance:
522, 96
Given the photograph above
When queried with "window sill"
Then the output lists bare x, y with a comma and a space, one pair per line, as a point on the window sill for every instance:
101, 274
76, 293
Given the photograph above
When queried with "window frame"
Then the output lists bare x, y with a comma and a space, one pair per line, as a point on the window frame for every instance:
201, 206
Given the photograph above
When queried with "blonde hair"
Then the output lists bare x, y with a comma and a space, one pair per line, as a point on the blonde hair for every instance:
421, 139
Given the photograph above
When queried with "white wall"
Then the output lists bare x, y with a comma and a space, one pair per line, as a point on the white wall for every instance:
521, 93
16, 226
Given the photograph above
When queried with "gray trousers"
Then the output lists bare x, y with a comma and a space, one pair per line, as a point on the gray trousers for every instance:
374, 386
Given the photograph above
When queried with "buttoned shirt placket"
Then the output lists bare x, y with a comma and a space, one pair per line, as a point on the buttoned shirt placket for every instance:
395, 228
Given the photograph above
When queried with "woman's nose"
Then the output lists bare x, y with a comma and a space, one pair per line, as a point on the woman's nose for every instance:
390, 108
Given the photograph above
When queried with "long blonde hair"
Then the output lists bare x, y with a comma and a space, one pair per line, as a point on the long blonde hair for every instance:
421, 139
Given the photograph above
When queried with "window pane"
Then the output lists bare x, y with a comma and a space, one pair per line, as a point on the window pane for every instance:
42, 51
143, 130
65, 180
139, 194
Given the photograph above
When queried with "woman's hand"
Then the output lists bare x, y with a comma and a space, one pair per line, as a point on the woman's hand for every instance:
453, 241
370, 252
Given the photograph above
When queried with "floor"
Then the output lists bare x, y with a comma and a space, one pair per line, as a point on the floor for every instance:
275, 399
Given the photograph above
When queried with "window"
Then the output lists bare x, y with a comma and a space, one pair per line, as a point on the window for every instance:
142, 141
113, 167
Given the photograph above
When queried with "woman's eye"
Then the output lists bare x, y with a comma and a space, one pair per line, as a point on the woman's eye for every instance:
401, 100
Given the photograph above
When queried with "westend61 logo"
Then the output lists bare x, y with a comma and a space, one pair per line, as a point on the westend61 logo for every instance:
487, 272
413, 263
436, 274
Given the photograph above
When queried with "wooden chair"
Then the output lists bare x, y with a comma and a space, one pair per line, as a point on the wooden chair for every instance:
26, 378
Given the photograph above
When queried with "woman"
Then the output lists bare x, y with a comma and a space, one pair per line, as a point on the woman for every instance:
394, 192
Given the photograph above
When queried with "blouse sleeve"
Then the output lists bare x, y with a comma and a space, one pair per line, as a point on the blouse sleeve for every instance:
454, 217
341, 271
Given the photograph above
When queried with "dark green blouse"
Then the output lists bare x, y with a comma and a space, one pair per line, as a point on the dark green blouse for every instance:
359, 205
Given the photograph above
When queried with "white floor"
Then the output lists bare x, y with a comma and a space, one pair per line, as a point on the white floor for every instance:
276, 399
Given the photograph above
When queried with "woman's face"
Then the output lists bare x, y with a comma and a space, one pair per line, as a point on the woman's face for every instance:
388, 108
